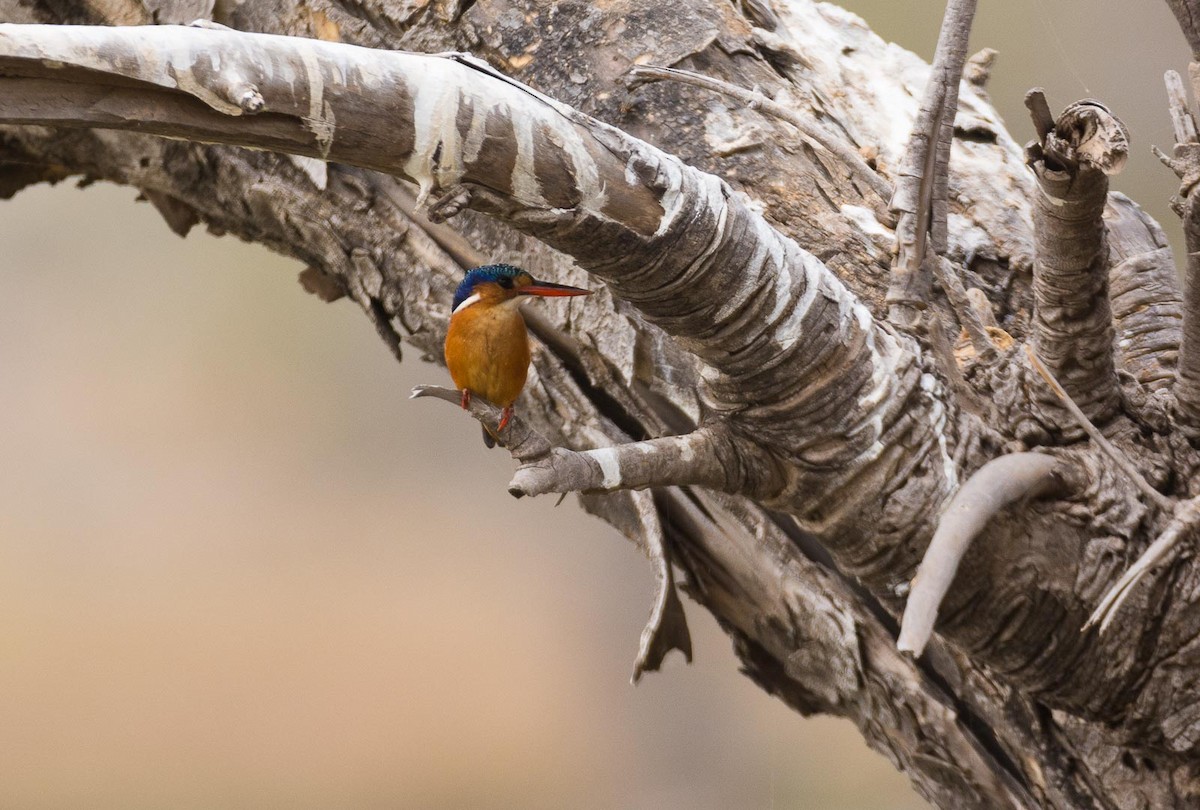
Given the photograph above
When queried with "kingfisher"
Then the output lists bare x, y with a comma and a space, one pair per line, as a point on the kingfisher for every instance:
487, 345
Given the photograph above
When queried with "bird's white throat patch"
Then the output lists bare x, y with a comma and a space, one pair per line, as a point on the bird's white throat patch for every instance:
470, 299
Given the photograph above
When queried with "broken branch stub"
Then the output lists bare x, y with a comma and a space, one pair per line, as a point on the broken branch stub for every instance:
1072, 323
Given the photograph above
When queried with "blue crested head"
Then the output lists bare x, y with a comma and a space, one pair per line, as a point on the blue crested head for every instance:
502, 274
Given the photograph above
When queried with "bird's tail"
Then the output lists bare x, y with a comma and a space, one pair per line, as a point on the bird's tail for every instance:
488, 438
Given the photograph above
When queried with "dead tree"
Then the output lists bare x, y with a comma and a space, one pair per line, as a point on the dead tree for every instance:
770, 389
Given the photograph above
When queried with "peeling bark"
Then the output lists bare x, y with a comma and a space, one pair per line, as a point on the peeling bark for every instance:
823, 442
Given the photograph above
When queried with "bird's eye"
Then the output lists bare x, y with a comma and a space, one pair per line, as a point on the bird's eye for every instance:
505, 282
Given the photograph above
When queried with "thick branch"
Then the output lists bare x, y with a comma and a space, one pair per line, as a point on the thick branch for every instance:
1073, 331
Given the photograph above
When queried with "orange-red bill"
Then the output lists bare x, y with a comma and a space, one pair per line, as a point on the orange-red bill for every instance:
551, 290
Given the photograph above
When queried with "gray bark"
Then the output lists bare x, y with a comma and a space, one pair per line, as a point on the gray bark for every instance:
827, 443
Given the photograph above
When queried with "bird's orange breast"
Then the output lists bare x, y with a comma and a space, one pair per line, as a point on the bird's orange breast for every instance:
487, 351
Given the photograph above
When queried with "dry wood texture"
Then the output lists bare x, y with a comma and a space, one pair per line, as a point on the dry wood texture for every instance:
737, 358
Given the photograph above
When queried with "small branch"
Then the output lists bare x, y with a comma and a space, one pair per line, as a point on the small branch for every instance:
964, 309
997, 484
1072, 325
810, 129
921, 197
1186, 165
1120, 459
701, 458
518, 438
693, 459
1182, 525
667, 627
1182, 121
982, 308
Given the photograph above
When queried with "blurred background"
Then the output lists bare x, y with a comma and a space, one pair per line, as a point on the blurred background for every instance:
239, 568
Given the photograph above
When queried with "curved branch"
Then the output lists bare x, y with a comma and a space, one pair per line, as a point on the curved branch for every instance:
921, 197
1187, 12
1072, 325
995, 486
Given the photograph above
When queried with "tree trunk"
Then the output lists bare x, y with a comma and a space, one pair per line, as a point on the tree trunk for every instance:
734, 397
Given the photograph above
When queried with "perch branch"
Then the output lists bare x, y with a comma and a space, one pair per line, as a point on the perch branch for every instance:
995, 486
1072, 325
525, 443
921, 197
810, 129
700, 458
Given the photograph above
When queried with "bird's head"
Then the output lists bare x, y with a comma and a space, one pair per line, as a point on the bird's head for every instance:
501, 283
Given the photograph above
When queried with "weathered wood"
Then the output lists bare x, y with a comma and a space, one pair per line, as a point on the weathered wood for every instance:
841, 426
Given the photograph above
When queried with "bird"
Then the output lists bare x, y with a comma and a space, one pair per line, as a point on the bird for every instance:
487, 344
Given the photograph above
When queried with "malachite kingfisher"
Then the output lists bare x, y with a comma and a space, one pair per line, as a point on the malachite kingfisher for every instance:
487, 345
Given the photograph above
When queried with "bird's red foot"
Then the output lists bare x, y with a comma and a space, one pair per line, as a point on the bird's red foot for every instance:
505, 417
466, 398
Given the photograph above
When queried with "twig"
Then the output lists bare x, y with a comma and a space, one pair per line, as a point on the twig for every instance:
921, 197
1119, 458
810, 129
996, 485
1187, 515
961, 303
1186, 165
1182, 121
